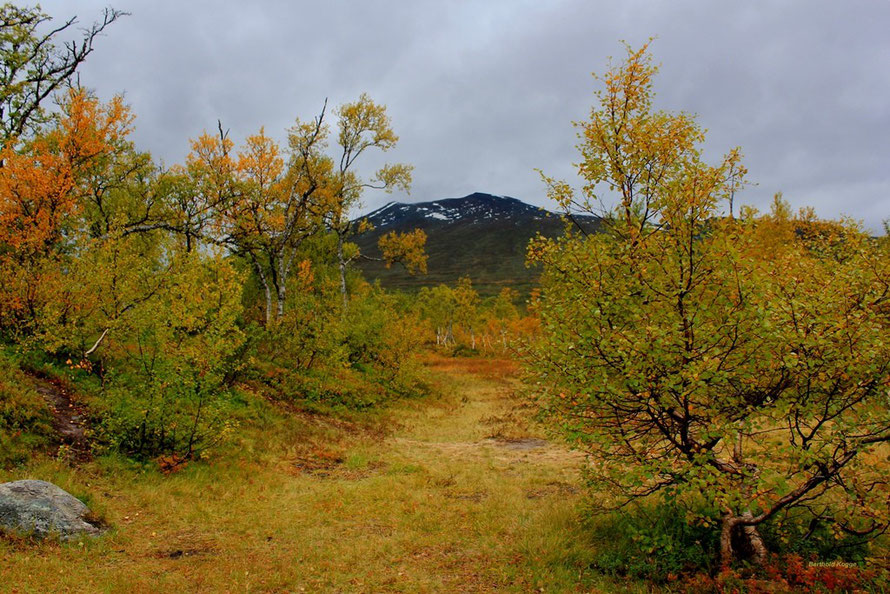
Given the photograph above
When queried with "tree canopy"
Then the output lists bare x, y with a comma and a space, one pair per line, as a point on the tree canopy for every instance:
33, 67
737, 364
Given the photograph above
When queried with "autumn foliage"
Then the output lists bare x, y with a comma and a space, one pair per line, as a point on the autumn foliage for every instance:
168, 285
727, 365
736, 364
41, 190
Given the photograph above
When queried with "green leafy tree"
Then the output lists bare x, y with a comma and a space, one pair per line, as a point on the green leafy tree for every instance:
692, 363
438, 306
264, 203
166, 395
503, 314
467, 307
362, 126
258, 204
33, 67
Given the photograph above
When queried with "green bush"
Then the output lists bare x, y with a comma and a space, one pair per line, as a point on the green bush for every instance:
653, 542
326, 358
799, 532
25, 422
166, 395
179, 417
324, 389
383, 340
656, 541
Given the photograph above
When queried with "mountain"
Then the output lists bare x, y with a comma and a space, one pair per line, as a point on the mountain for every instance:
480, 235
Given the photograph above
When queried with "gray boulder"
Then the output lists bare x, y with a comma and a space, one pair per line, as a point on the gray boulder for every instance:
42, 509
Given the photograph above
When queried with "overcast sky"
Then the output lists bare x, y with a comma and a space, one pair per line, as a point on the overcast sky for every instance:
483, 93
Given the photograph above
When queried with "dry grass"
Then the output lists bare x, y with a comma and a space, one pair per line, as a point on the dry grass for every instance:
458, 496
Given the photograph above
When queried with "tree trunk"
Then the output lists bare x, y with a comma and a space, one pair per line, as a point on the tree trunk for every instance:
753, 540
285, 259
739, 528
267, 290
282, 293
739, 540
268, 293
341, 261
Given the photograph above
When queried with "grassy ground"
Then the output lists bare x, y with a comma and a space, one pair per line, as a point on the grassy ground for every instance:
452, 493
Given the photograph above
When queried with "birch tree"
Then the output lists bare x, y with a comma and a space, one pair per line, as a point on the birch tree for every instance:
740, 362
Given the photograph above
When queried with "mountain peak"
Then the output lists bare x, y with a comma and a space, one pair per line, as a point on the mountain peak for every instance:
481, 235
472, 207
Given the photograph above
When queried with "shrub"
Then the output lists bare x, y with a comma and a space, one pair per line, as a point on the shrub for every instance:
25, 422
743, 360
801, 533
167, 394
789, 573
170, 414
668, 542
383, 341
652, 541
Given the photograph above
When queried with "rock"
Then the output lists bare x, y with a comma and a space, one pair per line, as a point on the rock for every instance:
42, 509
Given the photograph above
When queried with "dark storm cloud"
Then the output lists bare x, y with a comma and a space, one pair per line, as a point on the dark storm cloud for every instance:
482, 93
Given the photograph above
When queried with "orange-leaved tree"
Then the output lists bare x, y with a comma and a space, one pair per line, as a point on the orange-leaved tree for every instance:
41, 196
263, 205
407, 248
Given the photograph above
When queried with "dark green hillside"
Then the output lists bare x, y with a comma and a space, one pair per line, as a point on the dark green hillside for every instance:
479, 235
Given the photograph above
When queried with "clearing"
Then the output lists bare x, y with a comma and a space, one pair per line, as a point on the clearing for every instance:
456, 493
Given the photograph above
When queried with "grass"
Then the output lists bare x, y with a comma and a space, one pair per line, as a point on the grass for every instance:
453, 492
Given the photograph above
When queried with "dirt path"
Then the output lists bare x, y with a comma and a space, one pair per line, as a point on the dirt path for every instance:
485, 419
69, 417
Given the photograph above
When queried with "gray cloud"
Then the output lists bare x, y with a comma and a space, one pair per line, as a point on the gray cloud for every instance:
482, 93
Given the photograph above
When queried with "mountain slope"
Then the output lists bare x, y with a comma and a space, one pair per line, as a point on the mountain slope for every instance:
480, 235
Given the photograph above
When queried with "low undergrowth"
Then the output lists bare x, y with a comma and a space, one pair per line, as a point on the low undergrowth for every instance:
25, 420
659, 542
